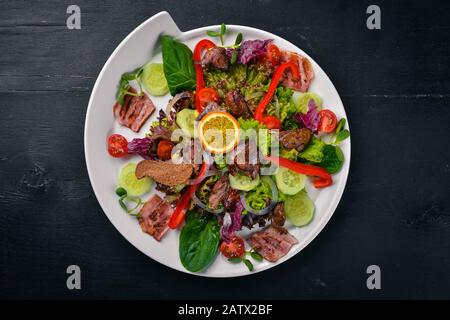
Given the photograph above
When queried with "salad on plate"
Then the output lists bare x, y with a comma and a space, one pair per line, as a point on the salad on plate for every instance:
236, 148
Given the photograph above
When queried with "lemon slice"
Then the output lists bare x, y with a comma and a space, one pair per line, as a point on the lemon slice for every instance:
154, 80
218, 132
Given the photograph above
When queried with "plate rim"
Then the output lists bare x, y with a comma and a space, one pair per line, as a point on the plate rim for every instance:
335, 199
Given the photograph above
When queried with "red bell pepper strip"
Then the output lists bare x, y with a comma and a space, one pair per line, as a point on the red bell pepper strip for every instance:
201, 46
322, 178
273, 87
183, 204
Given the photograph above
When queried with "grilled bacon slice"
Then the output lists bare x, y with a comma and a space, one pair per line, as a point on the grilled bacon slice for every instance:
304, 67
272, 243
134, 111
154, 217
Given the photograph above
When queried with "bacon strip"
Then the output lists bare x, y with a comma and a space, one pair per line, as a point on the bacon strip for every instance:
271, 243
305, 70
134, 111
154, 217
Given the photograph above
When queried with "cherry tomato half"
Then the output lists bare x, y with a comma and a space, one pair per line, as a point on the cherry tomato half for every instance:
117, 145
164, 150
234, 249
273, 54
206, 95
327, 121
272, 122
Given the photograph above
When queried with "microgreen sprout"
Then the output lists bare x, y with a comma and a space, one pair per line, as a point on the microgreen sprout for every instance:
255, 255
124, 85
124, 198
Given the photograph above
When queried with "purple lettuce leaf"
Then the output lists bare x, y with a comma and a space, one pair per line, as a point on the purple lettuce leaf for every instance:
231, 222
250, 50
140, 146
311, 119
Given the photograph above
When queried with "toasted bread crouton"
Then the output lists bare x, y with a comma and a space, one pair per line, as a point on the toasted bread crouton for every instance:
169, 174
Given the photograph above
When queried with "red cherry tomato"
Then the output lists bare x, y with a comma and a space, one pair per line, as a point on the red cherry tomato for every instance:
234, 249
272, 122
206, 95
327, 121
164, 150
273, 54
117, 145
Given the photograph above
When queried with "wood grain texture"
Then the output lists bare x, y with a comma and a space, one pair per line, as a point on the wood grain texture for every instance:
395, 211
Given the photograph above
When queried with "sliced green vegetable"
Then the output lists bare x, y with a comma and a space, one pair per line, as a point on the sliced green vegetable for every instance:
178, 65
134, 187
289, 182
299, 209
199, 242
243, 182
301, 100
186, 121
154, 80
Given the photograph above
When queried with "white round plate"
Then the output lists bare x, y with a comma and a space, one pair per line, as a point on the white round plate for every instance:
139, 47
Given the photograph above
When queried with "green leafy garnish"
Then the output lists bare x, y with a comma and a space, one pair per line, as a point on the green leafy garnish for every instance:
340, 133
124, 198
313, 151
260, 196
121, 192
248, 124
341, 136
255, 255
220, 34
333, 158
235, 259
199, 241
249, 264
124, 85
178, 65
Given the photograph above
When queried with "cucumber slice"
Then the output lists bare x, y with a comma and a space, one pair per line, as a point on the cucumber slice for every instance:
301, 100
154, 80
288, 181
186, 121
299, 209
127, 179
243, 182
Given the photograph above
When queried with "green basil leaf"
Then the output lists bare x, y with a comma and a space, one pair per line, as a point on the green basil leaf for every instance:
341, 136
199, 242
256, 256
178, 65
333, 158
235, 259
249, 264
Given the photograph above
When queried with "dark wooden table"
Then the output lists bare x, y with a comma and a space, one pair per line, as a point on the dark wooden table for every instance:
395, 211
